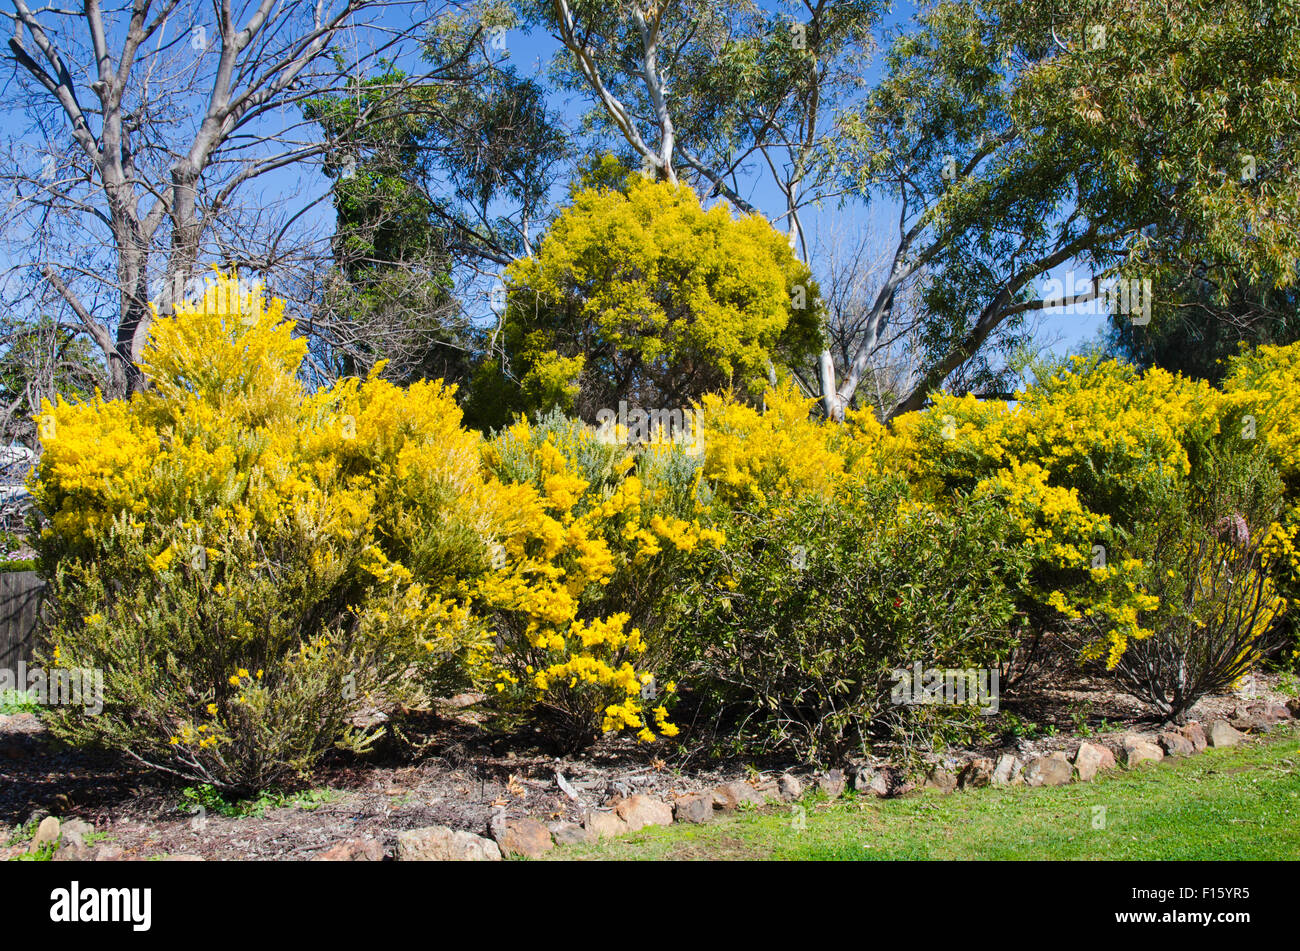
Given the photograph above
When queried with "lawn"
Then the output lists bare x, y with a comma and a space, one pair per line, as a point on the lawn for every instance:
1237, 803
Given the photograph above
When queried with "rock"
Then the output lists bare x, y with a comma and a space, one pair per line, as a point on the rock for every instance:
106, 853
72, 845
1091, 759
73, 833
47, 833
179, 857
640, 811
1293, 707
352, 850
1007, 771
1269, 711
1194, 734
440, 844
789, 787
1222, 734
944, 780
1262, 711
975, 774
497, 824
603, 824
1254, 723
1139, 749
769, 790
526, 837
693, 807
570, 833
8, 852
832, 784
1175, 744
732, 795
871, 781
1048, 771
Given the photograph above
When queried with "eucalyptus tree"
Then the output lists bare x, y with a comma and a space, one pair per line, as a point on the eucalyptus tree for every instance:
1127, 138
1009, 140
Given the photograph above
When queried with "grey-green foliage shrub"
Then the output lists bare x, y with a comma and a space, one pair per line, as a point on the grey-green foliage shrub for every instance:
812, 607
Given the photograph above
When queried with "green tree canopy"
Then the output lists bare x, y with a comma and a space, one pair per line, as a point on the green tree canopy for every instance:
1136, 139
433, 177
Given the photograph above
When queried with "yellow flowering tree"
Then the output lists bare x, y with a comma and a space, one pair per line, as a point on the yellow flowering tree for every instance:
639, 293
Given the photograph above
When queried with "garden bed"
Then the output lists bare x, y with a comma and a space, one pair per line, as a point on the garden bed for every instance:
460, 781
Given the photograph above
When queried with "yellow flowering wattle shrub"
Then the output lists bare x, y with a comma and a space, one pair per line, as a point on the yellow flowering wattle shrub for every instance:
249, 564
1261, 393
767, 457
1032, 461
253, 565
1095, 465
1215, 550
1084, 455
599, 532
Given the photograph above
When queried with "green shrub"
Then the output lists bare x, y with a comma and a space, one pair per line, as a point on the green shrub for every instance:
813, 606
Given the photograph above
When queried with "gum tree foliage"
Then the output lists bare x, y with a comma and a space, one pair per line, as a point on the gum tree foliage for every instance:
1018, 138
710, 89
1201, 327
1012, 139
442, 177
640, 294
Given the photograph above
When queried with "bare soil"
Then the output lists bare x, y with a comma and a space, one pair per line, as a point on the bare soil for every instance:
459, 780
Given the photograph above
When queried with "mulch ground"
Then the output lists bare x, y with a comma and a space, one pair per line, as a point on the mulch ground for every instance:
459, 781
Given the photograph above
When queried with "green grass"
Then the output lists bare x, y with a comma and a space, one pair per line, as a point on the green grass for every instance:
44, 854
1237, 803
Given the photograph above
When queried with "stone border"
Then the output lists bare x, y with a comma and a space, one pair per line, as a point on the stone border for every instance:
530, 838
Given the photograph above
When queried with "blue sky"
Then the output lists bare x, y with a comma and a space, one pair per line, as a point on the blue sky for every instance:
530, 52
1061, 329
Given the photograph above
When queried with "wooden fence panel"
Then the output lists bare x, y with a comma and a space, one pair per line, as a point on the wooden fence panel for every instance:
20, 602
